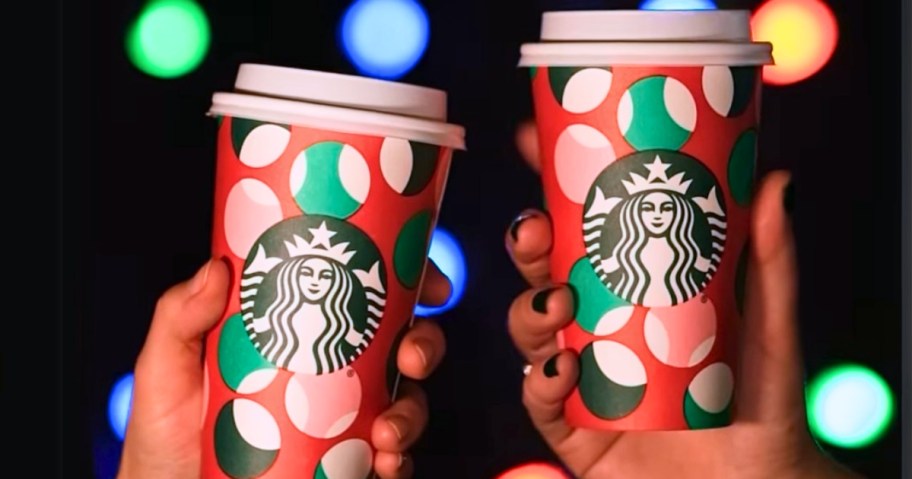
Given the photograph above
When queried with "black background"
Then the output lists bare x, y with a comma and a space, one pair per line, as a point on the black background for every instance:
140, 163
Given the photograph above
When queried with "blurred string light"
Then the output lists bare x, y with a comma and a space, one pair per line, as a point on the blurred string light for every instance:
448, 256
804, 34
169, 38
119, 405
678, 5
385, 38
849, 406
535, 470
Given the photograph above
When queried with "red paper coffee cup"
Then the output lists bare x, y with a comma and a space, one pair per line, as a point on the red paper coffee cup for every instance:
327, 191
648, 125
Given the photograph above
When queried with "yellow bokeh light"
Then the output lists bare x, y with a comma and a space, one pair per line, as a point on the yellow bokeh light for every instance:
804, 34
534, 471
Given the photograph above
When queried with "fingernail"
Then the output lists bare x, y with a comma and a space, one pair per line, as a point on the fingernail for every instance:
399, 425
425, 351
199, 280
788, 198
514, 227
402, 459
550, 368
540, 300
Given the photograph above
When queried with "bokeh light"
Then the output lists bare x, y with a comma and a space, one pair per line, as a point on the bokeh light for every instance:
385, 38
449, 257
849, 406
804, 34
169, 38
678, 5
536, 470
119, 405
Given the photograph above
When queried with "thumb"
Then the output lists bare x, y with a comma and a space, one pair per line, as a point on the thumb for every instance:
772, 369
169, 367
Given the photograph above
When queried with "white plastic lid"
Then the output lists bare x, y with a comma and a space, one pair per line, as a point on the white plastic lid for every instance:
643, 37
339, 102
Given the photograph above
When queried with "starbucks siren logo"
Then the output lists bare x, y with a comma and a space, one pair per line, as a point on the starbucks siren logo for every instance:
313, 294
654, 227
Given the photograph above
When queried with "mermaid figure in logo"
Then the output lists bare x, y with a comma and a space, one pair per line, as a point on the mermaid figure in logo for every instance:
657, 260
312, 326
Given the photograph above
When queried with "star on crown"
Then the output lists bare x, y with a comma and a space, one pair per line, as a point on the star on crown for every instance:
319, 246
657, 180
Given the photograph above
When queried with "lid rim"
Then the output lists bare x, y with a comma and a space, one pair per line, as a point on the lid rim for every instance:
645, 53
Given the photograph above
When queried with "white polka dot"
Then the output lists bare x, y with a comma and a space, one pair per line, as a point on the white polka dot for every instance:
619, 363
351, 459
354, 173
657, 338
396, 163
256, 425
701, 352
257, 381
325, 405
613, 320
586, 90
250, 210
581, 154
719, 88
680, 104
298, 173
264, 145
625, 112
712, 388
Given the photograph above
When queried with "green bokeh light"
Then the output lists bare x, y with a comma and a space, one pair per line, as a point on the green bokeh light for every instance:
169, 38
849, 406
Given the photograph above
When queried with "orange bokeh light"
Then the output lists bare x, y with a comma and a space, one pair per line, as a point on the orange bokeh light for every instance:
537, 470
804, 34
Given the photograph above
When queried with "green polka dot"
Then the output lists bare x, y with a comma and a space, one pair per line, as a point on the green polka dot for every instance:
330, 178
558, 77
697, 418
236, 354
591, 299
745, 79
602, 396
532, 72
320, 473
741, 278
241, 127
236, 457
741, 165
411, 249
657, 113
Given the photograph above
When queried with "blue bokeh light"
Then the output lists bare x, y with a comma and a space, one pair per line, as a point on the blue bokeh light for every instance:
385, 38
448, 256
678, 5
119, 405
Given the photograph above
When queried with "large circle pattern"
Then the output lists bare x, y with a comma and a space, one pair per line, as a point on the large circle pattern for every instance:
323, 406
330, 178
657, 112
612, 379
593, 302
729, 90
581, 153
247, 439
239, 361
258, 144
707, 402
580, 90
351, 459
411, 248
684, 335
741, 166
408, 166
251, 208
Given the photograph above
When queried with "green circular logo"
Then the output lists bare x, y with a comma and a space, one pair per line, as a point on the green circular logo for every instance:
654, 226
313, 292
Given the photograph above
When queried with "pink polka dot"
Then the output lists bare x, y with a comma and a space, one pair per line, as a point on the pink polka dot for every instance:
582, 153
323, 406
250, 210
683, 335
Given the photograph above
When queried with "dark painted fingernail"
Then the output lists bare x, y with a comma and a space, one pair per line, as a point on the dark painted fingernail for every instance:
540, 300
550, 368
788, 198
514, 227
